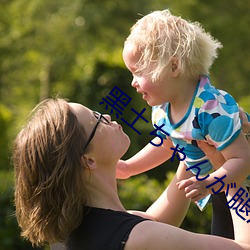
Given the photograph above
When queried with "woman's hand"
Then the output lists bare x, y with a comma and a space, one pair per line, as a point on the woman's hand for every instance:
245, 124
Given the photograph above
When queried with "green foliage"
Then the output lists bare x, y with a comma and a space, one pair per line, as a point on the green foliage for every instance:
245, 103
230, 71
6, 182
5, 124
73, 48
139, 192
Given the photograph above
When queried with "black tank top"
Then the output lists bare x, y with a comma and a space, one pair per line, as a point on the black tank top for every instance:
102, 229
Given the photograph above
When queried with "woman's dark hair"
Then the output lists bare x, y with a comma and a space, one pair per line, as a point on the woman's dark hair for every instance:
49, 180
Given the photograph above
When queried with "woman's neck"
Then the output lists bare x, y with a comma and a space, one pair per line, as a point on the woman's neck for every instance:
102, 189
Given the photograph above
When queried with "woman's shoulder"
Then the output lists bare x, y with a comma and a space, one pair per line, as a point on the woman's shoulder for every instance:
110, 227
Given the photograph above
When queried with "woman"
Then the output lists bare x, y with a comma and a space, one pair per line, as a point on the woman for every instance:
65, 188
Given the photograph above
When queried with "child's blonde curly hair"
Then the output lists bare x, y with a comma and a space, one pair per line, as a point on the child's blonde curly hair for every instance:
161, 36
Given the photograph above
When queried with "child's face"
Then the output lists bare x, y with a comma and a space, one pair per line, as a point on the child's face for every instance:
154, 93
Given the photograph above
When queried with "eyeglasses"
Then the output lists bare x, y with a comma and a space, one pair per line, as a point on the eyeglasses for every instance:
100, 118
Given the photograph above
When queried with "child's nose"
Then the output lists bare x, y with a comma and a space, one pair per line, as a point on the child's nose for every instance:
134, 83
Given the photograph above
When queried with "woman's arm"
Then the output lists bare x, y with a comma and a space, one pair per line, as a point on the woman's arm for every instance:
245, 124
159, 236
235, 168
240, 149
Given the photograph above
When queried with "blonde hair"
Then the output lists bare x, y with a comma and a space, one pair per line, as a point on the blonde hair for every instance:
160, 36
49, 186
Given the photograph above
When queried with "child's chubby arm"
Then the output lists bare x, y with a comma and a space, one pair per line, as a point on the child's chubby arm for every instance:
235, 167
147, 158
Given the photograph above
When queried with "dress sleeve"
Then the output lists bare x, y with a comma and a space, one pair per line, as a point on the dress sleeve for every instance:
219, 119
159, 118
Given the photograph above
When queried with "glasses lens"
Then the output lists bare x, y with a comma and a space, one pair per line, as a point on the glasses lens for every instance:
100, 117
97, 115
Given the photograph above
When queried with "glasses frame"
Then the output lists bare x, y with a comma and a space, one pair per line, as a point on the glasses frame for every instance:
100, 118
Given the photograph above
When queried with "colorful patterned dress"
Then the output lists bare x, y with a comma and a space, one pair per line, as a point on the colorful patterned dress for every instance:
213, 115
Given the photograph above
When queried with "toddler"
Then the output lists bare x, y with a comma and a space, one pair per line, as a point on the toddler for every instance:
170, 59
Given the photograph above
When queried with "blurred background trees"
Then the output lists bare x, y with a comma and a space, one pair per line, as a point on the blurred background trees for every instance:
72, 48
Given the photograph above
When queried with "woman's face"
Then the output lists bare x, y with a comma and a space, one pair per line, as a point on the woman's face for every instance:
109, 140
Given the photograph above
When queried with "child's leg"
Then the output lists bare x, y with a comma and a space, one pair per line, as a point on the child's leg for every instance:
171, 207
222, 224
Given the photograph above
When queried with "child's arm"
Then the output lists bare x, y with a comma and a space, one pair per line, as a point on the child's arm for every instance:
215, 157
236, 168
147, 158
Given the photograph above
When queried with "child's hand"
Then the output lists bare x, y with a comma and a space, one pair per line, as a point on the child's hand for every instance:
122, 170
194, 189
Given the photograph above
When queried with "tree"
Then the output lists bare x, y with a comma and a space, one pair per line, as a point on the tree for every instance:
72, 48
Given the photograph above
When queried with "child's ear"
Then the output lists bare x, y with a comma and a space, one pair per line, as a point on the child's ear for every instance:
175, 66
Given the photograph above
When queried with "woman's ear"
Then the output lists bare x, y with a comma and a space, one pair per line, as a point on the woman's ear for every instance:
175, 66
89, 161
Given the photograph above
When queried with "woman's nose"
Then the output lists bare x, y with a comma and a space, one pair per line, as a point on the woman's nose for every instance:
108, 117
